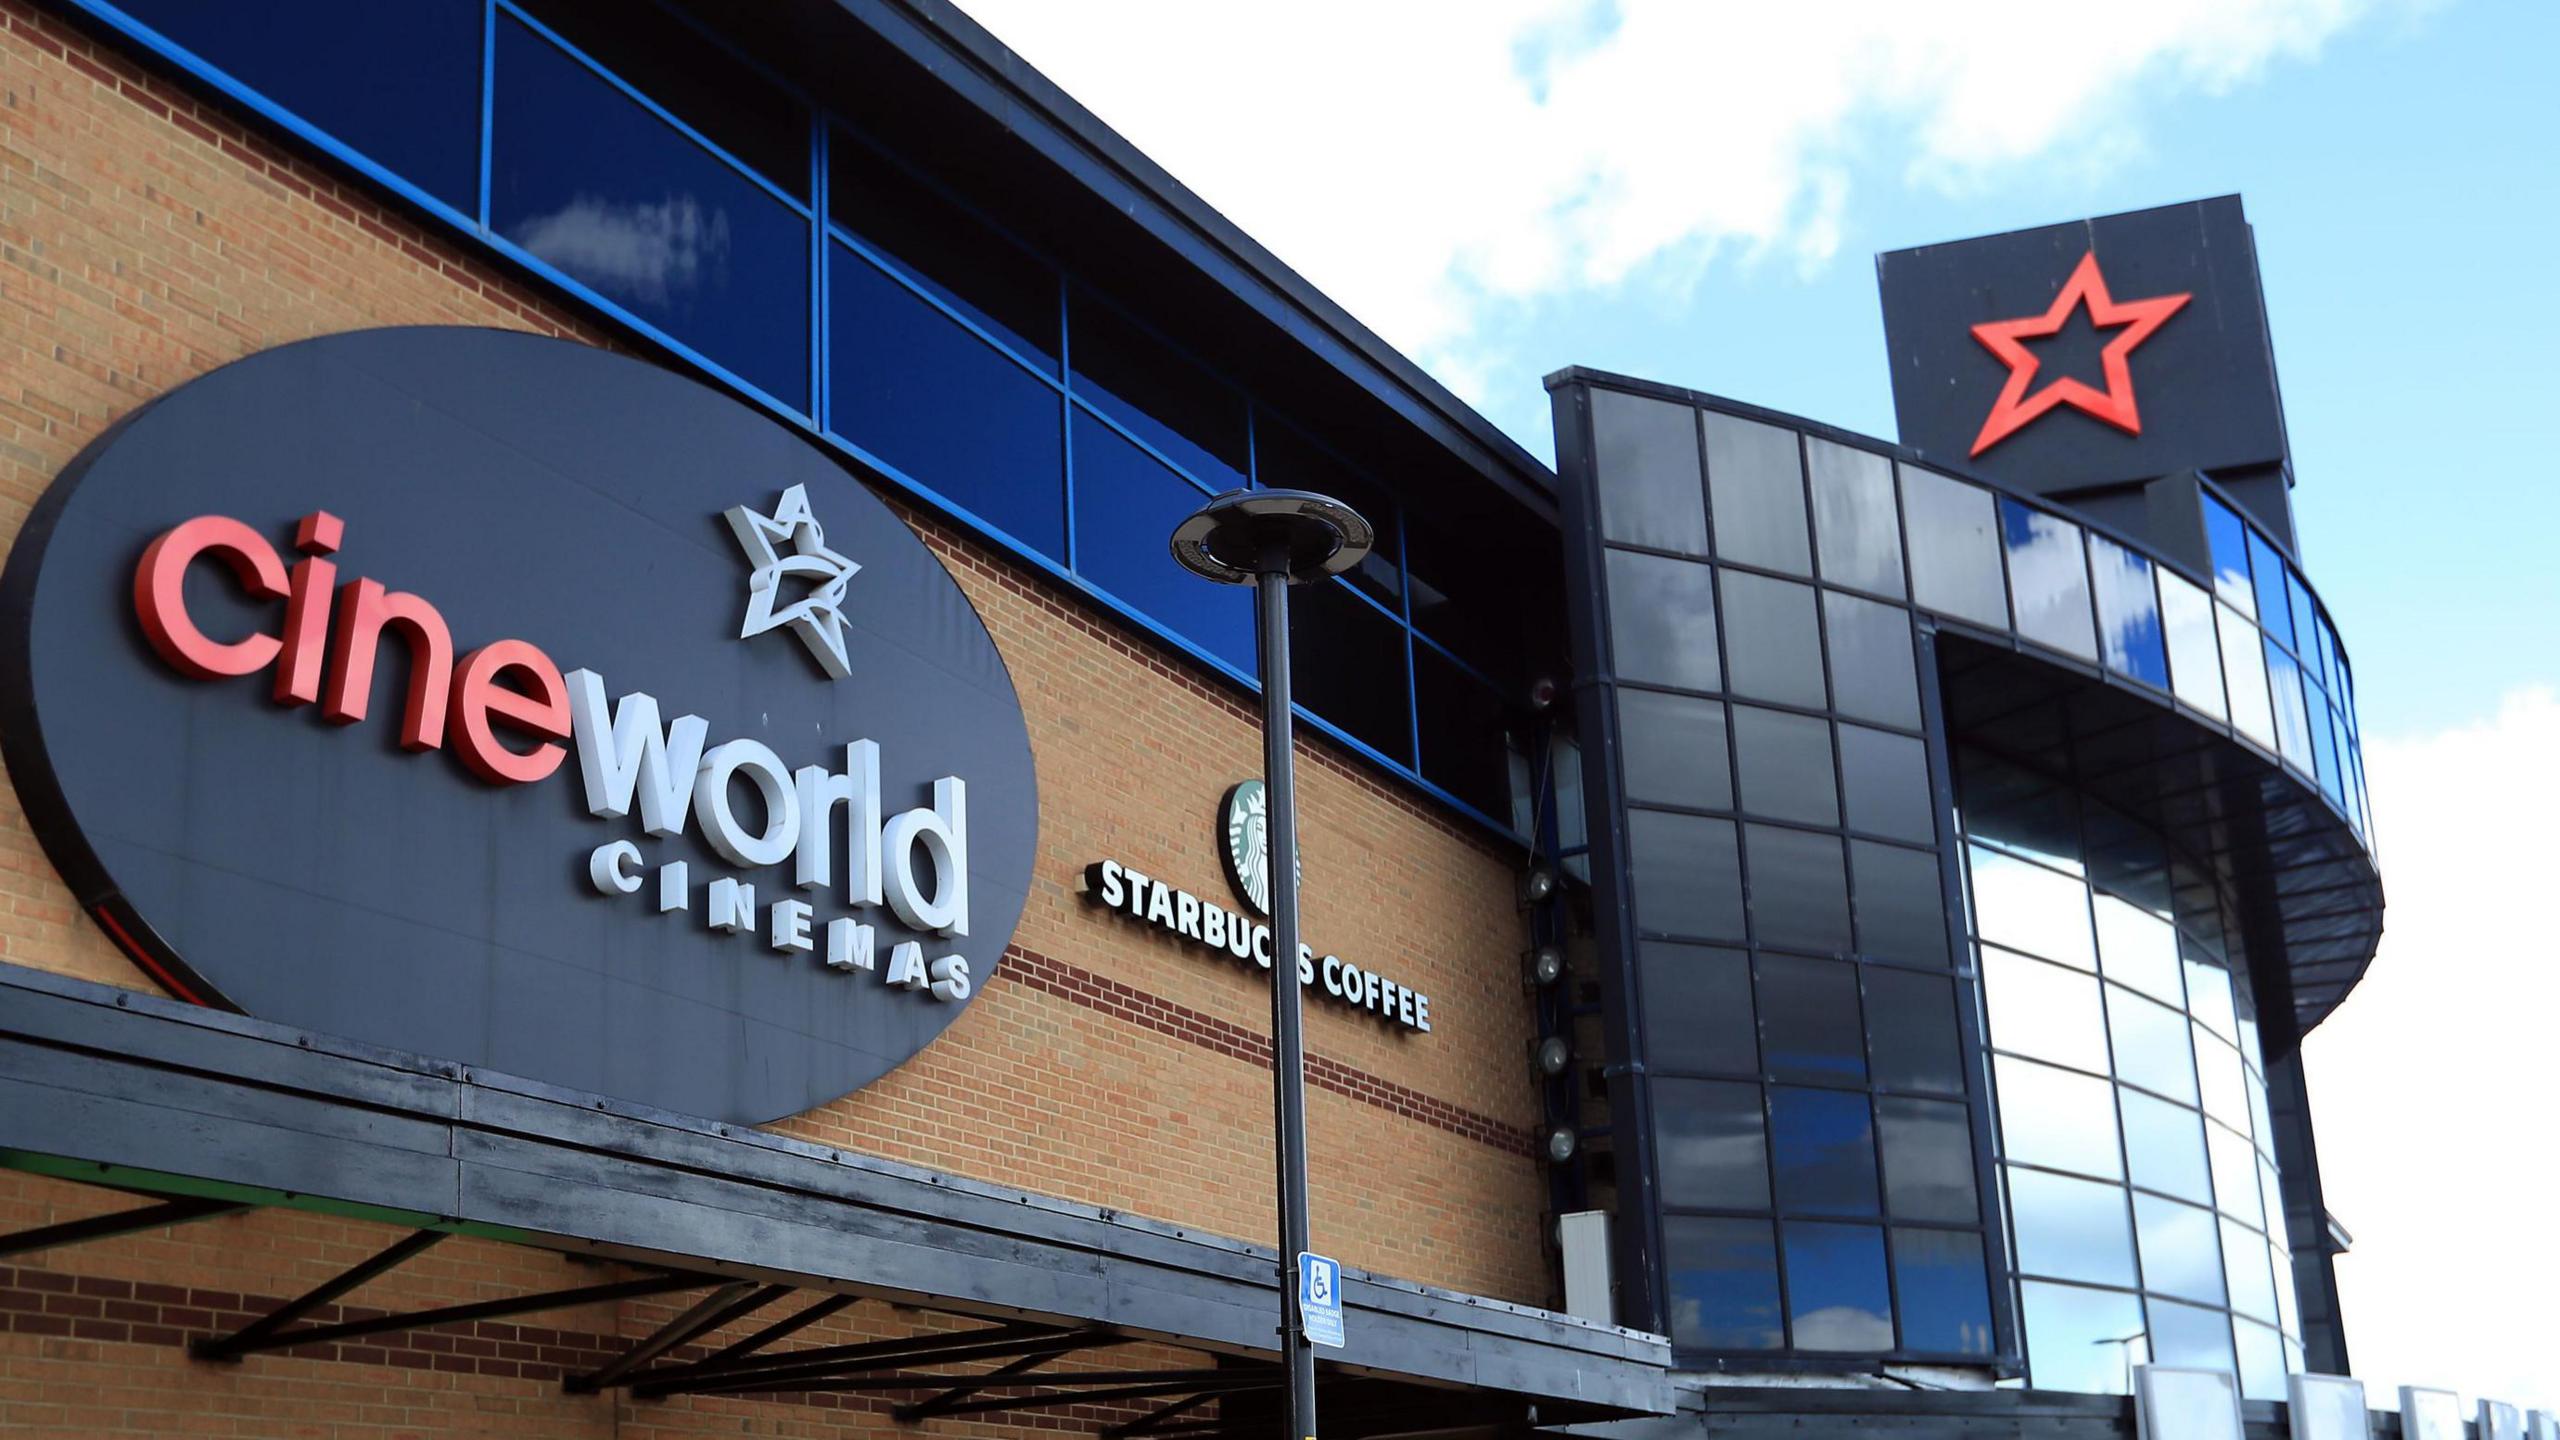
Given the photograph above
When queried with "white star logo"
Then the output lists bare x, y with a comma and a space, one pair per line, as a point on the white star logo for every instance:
817, 617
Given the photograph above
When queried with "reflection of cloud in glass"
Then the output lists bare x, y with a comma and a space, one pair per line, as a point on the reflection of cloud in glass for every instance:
2047, 577
2128, 613
1844, 1327
645, 254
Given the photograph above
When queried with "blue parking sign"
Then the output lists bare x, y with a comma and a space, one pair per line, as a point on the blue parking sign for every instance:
1320, 1298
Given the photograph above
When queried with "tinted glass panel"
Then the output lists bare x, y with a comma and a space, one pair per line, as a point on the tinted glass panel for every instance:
1496, 617
2306, 633
2151, 1045
1697, 1009
2180, 1255
2195, 655
1785, 764
944, 248
1854, 521
1836, 1290
1911, 1032
2023, 906
1756, 479
2190, 1338
2070, 1229
2293, 726
1126, 503
2244, 667
2139, 949
2130, 639
1722, 1279
2048, 579
1344, 658
2228, 540
1938, 1277
1284, 458
2209, 995
1462, 722
2057, 1118
1884, 783
1163, 398
945, 408
2020, 811
2253, 1290
1955, 548
1672, 749
1799, 890
702, 84
2048, 1011
1646, 454
2324, 750
399, 83
1871, 667
2218, 1072
1662, 621
1809, 1020
1901, 907
2165, 1146
2235, 1175
1822, 1148
2275, 613
2262, 1362
586, 179
1686, 874
1775, 641
1928, 1160
1711, 1148
2086, 1340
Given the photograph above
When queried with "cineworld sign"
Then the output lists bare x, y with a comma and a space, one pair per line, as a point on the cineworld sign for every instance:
507, 701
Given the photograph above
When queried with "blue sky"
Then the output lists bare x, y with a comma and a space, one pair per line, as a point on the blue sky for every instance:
1693, 192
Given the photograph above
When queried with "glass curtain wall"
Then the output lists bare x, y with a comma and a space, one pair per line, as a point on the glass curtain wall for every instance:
632, 159
2137, 1157
1803, 1020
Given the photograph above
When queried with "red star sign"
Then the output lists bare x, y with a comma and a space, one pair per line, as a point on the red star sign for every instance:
2016, 407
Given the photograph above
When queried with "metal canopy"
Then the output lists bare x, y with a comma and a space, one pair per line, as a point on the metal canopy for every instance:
224, 1112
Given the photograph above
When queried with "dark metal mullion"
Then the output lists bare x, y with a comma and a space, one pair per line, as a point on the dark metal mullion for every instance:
123, 1222
821, 297
720, 1307
1067, 426
240, 1342
482, 1310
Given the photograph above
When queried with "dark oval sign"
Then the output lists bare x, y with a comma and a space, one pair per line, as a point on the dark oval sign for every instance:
509, 701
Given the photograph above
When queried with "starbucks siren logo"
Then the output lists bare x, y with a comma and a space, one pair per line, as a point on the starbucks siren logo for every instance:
1245, 818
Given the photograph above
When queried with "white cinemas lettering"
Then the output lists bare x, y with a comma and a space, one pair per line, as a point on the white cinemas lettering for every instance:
916, 862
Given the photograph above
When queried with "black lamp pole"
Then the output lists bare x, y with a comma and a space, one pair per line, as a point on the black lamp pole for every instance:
1272, 539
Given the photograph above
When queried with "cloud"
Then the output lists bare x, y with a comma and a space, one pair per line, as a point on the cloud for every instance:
650, 254
2434, 1088
1433, 165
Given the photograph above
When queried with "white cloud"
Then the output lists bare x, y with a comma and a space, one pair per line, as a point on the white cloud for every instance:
1430, 165
648, 253
2433, 1088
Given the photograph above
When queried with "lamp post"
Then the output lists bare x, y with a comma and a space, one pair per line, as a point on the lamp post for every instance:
1272, 539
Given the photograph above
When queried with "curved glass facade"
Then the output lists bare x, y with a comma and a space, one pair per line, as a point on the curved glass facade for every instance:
2136, 1149
1901, 1028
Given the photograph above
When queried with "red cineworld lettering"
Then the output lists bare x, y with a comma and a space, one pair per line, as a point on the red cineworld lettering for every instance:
507, 690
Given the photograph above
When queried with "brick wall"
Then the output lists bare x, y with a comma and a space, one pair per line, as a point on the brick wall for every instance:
145, 238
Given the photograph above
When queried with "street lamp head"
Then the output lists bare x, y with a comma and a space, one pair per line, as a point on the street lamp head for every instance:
1242, 535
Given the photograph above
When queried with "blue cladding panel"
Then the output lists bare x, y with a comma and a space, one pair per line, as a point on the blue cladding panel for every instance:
946, 408
399, 83
587, 179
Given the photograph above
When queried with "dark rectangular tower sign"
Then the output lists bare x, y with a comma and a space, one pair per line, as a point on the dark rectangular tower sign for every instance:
2089, 355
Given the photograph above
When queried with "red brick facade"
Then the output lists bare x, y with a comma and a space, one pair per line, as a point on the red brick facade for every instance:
147, 237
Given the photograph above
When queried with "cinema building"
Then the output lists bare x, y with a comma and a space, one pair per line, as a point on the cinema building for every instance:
622, 824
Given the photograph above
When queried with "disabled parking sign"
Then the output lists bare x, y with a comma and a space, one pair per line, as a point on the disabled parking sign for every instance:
1320, 1298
